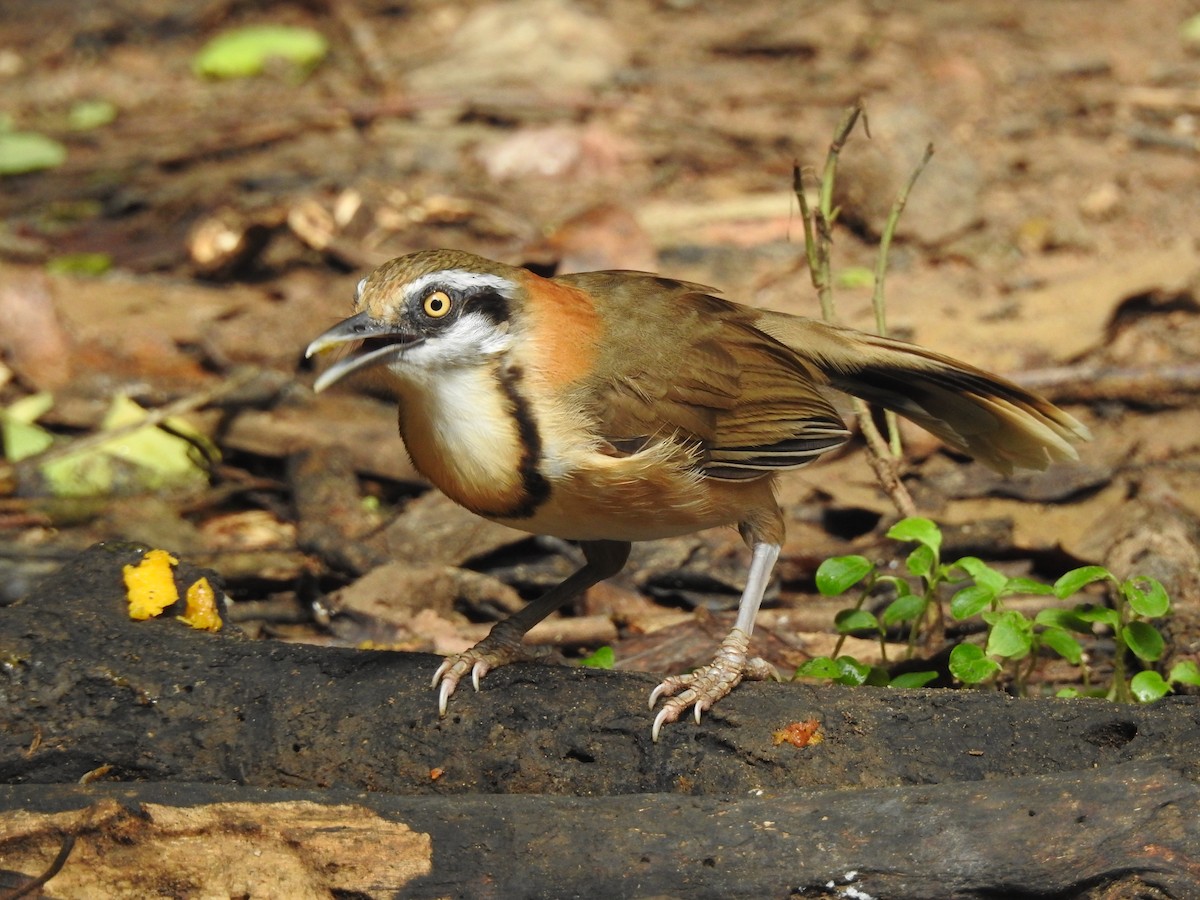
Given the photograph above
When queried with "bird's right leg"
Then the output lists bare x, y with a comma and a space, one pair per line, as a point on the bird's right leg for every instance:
503, 645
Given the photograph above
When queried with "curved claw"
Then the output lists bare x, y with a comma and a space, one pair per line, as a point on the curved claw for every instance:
450, 673
478, 670
708, 684
661, 719
660, 691
441, 670
497, 649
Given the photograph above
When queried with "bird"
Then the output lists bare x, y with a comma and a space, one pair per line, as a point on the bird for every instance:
611, 407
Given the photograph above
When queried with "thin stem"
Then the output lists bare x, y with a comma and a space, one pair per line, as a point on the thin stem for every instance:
862, 598
810, 241
826, 214
818, 243
1120, 687
883, 463
885, 241
1024, 676
877, 301
915, 628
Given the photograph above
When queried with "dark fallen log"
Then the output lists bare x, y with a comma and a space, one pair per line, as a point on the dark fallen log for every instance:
87, 686
1129, 830
956, 793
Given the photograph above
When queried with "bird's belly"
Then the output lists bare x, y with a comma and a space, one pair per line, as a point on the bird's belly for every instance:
562, 517
621, 501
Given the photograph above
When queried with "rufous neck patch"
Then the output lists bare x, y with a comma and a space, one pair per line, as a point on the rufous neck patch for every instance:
563, 329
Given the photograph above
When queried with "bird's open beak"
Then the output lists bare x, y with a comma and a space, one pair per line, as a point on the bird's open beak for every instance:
379, 343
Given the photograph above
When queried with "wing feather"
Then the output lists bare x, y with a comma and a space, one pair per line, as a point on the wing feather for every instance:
694, 369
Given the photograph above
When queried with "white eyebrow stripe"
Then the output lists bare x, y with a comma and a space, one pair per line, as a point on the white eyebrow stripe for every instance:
359, 289
462, 280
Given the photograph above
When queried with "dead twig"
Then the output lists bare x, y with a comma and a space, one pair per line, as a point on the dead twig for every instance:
1158, 137
818, 243
363, 39
1156, 386
64, 851
1168, 99
885, 243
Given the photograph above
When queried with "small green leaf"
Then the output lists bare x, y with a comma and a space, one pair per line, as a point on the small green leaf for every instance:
971, 601
1091, 612
1146, 596
600, 658
87, 474
921, 561
80, 264
1011, 635
1067, 693
88, 114
1062, 643
1143, 640
983, 573
1148, 686
21, 437
818, 667
903, 609
26, 151
170, 454
877, 676
1076, 579
1023, 585
1063, 618
852, 671
912, 679
244, 52
850, 620
838, 574
29, 409
969, 664
1185, 672
855, 277
22, 441
916, 528
1189, 32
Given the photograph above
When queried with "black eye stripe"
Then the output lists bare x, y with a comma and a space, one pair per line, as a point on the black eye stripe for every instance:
489, 304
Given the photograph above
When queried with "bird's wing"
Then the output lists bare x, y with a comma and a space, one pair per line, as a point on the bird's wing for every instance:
692, 368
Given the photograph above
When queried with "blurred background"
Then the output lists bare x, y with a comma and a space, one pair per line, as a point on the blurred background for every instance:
190, 190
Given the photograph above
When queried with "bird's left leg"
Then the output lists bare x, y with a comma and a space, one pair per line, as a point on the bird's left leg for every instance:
503, 645
708, 684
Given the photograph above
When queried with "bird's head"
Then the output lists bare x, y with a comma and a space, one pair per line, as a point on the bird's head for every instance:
425, 312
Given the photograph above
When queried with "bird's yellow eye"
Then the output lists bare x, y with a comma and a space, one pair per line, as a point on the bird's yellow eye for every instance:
437, 304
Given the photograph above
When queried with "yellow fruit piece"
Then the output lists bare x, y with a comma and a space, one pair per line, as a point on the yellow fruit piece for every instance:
149, 586
202, 611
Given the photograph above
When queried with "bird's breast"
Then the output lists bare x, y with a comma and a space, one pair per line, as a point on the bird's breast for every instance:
470, 432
